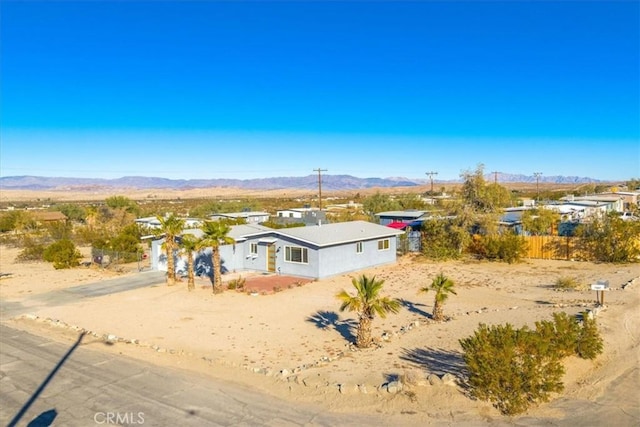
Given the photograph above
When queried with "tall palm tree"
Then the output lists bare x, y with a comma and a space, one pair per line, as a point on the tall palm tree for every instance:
189, 244
215, 234
443, 286
367, 303
171, 226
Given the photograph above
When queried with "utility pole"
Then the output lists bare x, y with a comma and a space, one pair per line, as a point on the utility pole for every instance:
495, 176
320, 186
537, 175
431, 179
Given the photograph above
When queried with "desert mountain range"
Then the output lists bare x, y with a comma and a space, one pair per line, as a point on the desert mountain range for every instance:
329, 182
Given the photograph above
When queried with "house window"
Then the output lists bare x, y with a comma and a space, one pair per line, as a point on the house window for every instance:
296, 254
383, 244
359, 246
253, 249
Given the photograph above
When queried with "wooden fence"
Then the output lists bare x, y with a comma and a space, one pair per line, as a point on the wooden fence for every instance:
554, 247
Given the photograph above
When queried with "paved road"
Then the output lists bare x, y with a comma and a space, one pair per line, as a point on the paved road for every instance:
63, 296
90, 388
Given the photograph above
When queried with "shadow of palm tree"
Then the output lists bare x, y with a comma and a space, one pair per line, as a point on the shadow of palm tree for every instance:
438, 361
330, 320
51, 414
413, 308
45, 419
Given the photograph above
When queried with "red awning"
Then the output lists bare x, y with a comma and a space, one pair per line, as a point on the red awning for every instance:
398, 225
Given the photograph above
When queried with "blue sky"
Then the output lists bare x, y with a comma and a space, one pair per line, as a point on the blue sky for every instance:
203, 89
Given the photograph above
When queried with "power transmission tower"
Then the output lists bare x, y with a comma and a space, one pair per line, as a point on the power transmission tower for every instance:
537, 175
431, 179
495, 176
319, 186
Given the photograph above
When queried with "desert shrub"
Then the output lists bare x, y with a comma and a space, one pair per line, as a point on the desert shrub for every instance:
31, 251
608, 239
507, 247
514, 368
237, 284
562, 333
589, 344
443, 239
511, 367
63, 254
566, 282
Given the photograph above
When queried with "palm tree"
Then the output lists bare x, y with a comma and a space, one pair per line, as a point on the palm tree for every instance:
367, 303
443, 286
215, 234
171, 226
189, 244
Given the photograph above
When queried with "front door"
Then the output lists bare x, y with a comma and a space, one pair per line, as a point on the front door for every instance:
271, 258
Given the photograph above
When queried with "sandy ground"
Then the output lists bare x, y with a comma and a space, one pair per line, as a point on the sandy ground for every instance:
294, 343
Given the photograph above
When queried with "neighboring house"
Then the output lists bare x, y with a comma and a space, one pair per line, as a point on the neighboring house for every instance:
307, 216
152, 222
48, 217
316, 252
249, 217
512, 219
630, 199
599, 202
407, 216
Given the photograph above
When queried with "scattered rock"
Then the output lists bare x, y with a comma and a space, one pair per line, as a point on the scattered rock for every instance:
362, 388
434, 379
448, 379
394, 387
346, 388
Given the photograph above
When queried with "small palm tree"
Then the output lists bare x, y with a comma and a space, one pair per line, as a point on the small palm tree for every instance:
171, 226
215, 234
367, 303
190, 244
443, 286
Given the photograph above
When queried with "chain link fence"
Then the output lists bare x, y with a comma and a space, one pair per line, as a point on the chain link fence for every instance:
106, 258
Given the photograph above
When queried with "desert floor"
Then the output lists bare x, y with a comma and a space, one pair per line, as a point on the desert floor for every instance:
295, 343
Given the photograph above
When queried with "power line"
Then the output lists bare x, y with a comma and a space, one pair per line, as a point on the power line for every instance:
320, 186
431, 174
495, 176
537, 175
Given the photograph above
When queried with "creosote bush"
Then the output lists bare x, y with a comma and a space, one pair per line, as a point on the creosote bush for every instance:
63, 254
566, 283
507, 247
515, 368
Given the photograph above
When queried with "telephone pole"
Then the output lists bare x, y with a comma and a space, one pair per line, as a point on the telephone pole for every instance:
319, 186
431, 179
537, 175
495, 176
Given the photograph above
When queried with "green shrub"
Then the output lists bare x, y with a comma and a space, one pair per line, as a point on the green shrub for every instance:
507, 247
566, 283
590, 343
515, 368
512, 368
63, 254
32, 251
561, 334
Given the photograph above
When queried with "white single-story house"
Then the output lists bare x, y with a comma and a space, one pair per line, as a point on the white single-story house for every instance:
249, 217
295, 212
315, 252
307, 216
600, 202
153, 222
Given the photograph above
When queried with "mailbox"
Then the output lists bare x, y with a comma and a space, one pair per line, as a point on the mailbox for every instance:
600, 285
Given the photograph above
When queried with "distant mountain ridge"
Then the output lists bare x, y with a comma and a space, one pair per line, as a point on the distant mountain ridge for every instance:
329, 182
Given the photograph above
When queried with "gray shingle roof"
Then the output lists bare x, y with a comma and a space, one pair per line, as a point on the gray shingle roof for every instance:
342, 232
